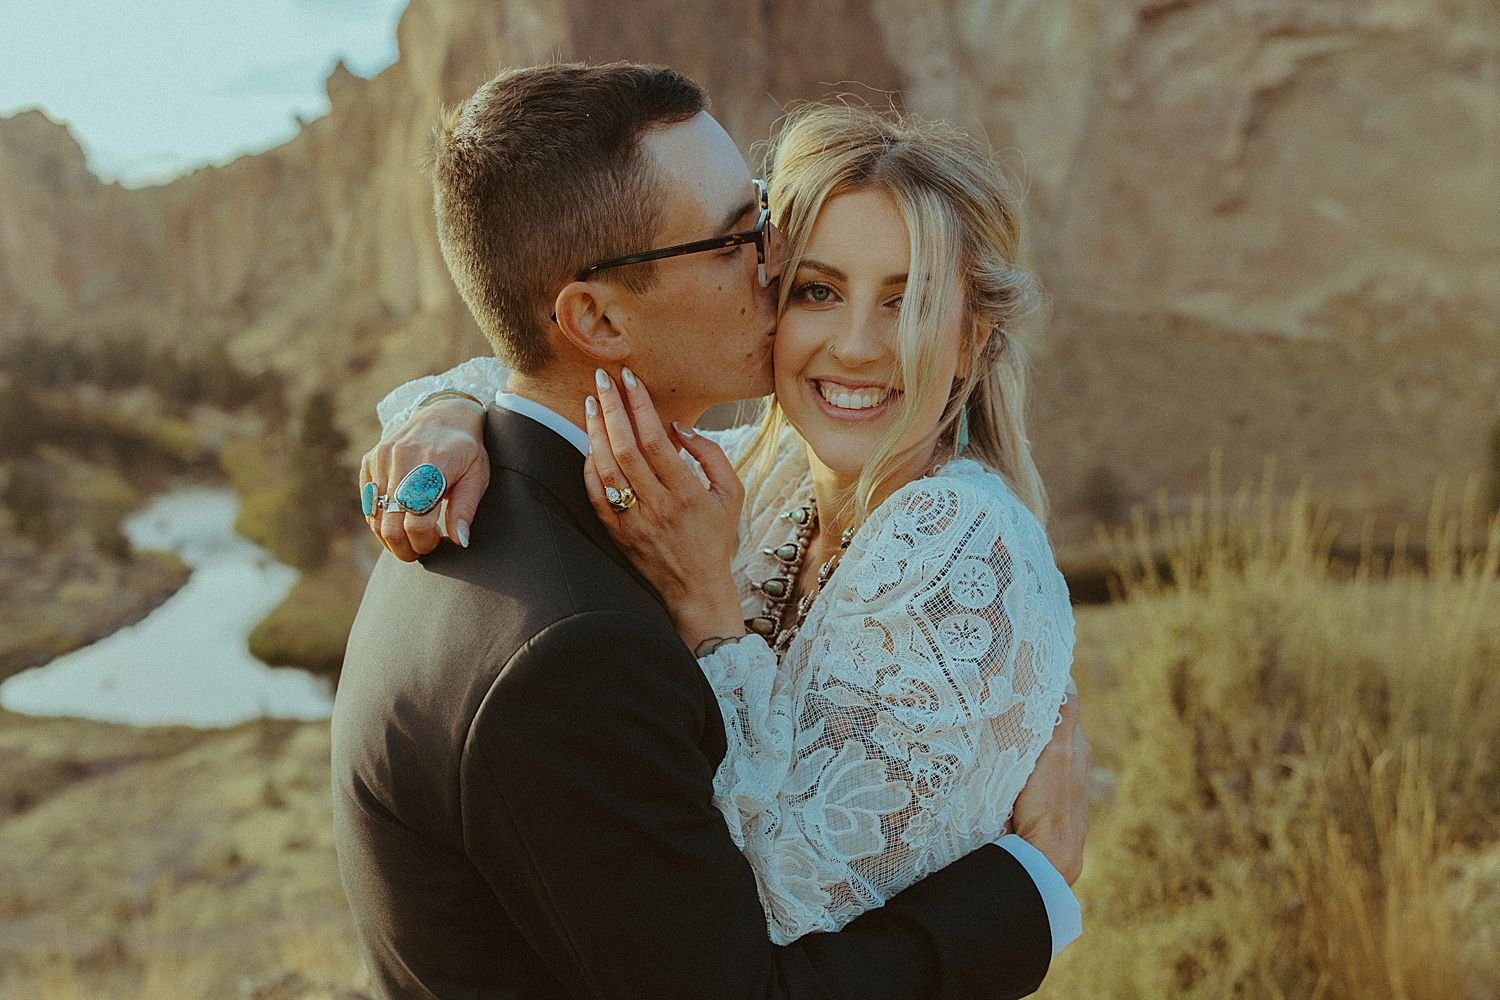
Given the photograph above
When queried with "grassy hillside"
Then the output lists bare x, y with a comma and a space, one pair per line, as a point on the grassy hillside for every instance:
1302, 794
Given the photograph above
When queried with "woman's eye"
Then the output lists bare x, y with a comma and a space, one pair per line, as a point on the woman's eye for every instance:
813, 292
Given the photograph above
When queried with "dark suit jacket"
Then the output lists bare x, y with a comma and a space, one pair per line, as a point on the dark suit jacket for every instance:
523, 754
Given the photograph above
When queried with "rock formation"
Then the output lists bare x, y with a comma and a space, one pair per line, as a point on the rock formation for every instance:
1268, 225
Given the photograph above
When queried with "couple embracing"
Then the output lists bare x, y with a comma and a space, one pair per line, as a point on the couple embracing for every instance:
777, 711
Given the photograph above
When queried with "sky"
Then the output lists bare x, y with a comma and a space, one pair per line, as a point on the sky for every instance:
155, 88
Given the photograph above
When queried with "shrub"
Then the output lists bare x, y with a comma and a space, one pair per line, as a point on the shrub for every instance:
310, 628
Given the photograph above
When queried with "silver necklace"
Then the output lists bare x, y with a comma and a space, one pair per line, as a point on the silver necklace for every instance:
771, 623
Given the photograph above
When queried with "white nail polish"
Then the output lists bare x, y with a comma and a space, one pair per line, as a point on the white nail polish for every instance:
601, 378
592, 406
628, 377
462, 529
683, 430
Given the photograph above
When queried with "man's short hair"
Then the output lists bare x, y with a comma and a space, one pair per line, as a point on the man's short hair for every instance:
540, 174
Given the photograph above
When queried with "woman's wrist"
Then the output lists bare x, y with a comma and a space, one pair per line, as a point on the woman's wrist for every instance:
457, 394
713, 644
702, 621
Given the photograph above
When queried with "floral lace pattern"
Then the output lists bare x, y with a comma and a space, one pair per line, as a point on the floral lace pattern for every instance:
482, 377
908, 712
911, 707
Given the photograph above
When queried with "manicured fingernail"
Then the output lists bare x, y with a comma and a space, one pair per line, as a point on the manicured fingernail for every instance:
462, 530
592, 406
683, 430
601, 378
628, 377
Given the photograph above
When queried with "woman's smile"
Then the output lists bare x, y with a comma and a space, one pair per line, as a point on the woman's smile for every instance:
854, 402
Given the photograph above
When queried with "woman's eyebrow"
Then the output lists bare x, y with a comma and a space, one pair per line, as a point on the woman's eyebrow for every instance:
819, 266
833, 272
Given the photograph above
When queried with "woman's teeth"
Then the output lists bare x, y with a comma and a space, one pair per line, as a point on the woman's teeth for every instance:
852, 399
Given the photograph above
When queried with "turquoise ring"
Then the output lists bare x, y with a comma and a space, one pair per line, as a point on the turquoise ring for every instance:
367, 499
420, 490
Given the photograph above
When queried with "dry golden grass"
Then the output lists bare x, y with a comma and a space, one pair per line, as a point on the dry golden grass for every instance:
1306, 794
159, 957
170, 863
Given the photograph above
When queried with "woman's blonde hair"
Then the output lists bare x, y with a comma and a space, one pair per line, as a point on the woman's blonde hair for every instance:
963, 224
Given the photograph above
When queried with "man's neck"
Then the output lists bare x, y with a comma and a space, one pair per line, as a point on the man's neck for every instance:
564, 395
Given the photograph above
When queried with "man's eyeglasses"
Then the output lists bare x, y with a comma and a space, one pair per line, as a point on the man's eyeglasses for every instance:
765, 237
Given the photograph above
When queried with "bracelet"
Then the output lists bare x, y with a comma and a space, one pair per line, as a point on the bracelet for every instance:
432, 397
714, 645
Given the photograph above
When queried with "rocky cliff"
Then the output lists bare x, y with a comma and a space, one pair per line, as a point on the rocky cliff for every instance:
1268, 225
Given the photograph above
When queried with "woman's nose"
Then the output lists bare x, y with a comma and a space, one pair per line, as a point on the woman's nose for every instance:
863, 340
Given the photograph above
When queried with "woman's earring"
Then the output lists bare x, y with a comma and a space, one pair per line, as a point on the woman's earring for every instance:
831, 353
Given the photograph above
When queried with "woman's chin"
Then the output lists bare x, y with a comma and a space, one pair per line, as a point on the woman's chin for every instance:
846, 456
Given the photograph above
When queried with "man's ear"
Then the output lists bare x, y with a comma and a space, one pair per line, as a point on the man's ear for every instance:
587, 314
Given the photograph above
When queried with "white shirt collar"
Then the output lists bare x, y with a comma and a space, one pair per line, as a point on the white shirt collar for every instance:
546, 417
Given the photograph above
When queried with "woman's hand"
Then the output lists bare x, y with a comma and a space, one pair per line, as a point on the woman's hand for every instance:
447, 433
680, 534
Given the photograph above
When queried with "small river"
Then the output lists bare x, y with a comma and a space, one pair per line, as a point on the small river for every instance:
187, 662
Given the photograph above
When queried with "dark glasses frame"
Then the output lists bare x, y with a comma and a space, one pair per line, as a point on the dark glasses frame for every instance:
760, 236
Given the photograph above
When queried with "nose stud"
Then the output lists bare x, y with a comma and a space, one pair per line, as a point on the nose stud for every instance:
832, 353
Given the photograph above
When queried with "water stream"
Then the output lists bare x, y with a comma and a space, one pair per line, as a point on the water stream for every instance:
186, 663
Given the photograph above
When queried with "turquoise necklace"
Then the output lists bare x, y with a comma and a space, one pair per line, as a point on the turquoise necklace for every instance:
772, 623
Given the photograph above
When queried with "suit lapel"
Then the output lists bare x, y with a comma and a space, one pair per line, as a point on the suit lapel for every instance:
520, 443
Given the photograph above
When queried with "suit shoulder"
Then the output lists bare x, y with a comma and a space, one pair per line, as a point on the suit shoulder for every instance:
604, 647
597, 667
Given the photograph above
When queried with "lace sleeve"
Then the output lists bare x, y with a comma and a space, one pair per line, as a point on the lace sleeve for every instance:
908, 714
482, 376
734, 440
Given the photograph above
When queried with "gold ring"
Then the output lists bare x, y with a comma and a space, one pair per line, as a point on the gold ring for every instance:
621, 499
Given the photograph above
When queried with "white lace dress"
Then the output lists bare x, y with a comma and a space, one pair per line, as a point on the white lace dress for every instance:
910, 708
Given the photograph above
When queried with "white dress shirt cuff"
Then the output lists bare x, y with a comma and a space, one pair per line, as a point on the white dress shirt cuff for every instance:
1064, 915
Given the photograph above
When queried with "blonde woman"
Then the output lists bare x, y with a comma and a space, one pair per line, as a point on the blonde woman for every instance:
891, 639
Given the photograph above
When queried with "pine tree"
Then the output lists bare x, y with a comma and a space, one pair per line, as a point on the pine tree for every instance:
322, 496
1495, 468
29, 501
20, 419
